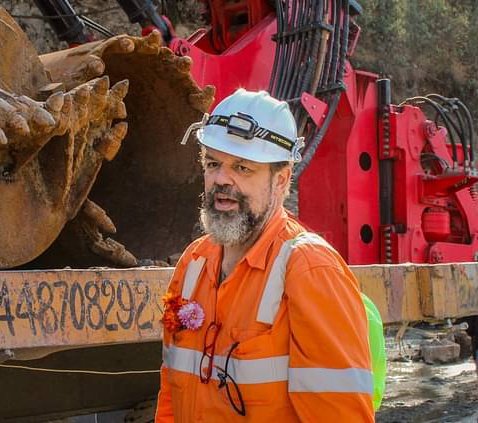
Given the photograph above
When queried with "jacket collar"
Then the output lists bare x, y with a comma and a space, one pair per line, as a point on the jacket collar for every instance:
256, 256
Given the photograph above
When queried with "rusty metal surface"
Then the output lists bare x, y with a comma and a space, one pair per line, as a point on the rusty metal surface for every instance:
409, 292
76, 308
52, 145
151, 190
59, 119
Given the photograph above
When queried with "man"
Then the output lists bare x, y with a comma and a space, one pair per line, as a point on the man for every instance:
263, 321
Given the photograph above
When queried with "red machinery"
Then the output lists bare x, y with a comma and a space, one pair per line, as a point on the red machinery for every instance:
383, 184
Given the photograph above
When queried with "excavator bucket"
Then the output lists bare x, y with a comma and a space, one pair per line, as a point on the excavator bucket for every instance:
52, 144
61, 114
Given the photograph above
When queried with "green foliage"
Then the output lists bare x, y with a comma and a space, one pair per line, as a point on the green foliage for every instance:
423, 45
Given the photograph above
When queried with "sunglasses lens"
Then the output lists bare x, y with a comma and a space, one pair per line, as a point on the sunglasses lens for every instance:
205, 367
211, 335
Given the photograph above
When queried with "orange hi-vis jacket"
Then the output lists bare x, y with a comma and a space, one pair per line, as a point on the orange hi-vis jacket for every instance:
302, 353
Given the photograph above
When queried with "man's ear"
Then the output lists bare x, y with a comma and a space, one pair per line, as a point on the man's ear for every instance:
283, 178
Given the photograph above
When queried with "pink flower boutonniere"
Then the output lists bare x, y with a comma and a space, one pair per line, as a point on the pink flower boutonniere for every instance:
180, 314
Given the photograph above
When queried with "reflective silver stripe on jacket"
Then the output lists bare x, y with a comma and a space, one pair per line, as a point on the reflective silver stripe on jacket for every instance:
274, 289
273, 369
275, 284
307, 379
261, 370
191, 277
330, 380
311, 239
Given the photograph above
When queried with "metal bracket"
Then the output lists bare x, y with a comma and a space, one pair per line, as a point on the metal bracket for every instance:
316, 108
194, 127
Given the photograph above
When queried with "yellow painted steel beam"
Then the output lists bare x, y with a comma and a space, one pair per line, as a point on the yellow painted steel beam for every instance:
413, 292
81, 307
75, 308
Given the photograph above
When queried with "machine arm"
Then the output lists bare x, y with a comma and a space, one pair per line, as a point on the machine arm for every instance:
66, 24
144, 13
71, 28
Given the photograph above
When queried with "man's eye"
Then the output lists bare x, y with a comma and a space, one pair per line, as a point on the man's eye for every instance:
243, 169
211, 165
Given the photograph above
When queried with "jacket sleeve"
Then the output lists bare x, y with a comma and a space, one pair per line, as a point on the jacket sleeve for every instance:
330, 375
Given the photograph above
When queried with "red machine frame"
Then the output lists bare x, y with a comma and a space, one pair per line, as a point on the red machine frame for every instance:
432, 214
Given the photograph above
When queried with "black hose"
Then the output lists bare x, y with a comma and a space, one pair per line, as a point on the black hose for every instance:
471, 130
459, 129
443, 116
335, 47
345, 41
312, 145
309, 60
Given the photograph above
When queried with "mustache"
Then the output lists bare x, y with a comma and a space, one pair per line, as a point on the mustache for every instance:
228, 190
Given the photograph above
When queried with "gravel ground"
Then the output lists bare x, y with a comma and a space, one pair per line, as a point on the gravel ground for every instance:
419, 393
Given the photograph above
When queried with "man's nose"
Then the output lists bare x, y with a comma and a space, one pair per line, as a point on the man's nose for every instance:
223, 176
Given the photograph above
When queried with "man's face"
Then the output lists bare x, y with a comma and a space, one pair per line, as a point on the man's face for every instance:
239, 197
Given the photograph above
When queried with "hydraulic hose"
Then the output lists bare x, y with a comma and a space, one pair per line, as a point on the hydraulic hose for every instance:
459, 129
67, 25
439, 109
312, 44
471, 130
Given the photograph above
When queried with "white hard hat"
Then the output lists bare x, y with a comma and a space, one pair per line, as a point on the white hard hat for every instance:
251, 125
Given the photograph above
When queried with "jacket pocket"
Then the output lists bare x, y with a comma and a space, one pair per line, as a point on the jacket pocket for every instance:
252, 343
261, 374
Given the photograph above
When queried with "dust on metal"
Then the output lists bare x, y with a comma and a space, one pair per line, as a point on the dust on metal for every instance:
61, 117
419, 292
81, 307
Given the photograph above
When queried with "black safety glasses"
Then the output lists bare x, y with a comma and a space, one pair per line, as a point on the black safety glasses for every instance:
232, 389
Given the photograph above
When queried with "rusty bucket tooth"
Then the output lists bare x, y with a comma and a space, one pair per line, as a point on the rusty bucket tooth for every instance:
126, 45
64, 116
120, 89
117, 110
99, 97
154, 39
82, 95
101, 85
202, 100
18, 125
98, 216
150, 45
94, 68
109, 145
43, 120
115, 252
167, 57
67, 104
183, 64
116, 106
5, 109
3, 138
55, 102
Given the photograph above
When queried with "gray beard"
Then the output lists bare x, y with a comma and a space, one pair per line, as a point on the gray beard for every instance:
230, 228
